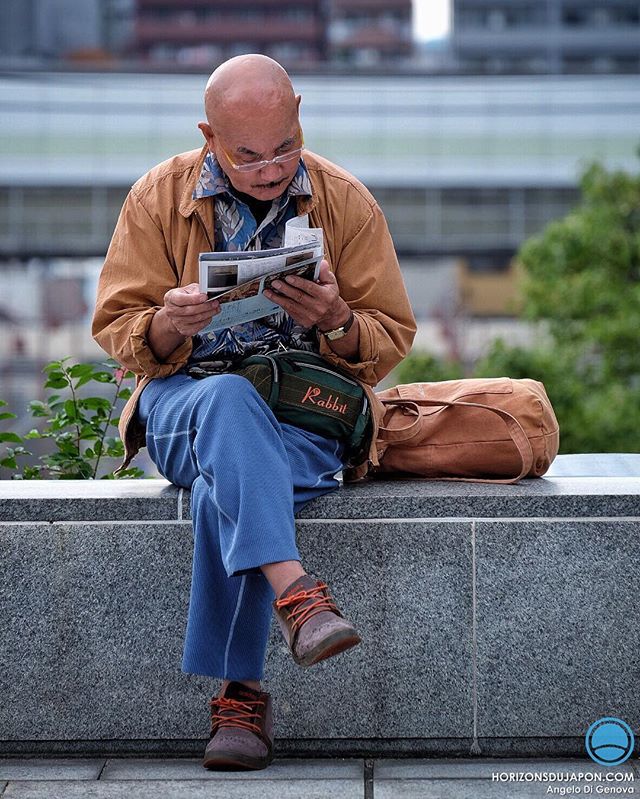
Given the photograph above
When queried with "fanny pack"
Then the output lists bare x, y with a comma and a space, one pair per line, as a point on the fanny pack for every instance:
302, 388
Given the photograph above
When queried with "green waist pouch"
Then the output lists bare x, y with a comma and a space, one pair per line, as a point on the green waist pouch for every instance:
304, 389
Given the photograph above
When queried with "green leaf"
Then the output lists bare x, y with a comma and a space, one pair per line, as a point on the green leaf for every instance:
104, 377
14, 437
9, 463
57, 382
53, 366
7, 415
82, 381
33, 434
38, 408
3, 402
96, 402
134, 471
124, 394
81, 370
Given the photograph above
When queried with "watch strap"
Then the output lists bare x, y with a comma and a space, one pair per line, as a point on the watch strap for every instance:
339, 332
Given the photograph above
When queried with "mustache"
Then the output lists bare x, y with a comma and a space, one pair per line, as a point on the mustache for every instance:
271, 185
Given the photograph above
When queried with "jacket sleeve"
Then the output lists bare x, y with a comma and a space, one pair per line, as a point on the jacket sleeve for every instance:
137, 273
371, 283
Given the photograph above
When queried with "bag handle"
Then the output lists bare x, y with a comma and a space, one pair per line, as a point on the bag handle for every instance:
518, 436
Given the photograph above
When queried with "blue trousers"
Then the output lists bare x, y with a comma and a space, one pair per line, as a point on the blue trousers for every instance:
248, 474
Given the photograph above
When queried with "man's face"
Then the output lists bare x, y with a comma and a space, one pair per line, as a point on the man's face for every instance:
260, 140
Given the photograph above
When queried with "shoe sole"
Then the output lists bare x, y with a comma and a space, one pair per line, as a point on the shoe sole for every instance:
230, 761
335, 643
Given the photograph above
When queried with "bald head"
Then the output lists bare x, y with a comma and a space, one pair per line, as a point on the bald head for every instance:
247, 85
252, 116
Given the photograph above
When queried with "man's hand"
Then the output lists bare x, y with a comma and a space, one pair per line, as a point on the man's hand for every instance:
188, 309
309, 303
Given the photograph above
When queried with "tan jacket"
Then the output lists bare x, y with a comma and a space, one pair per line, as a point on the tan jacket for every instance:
162, 230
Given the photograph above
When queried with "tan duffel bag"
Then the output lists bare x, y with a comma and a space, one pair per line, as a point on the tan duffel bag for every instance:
487, 429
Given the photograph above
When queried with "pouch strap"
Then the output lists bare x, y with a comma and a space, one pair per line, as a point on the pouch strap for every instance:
411, 431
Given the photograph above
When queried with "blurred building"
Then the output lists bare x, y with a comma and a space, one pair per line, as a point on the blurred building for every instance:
299, 33
466, 166
71, 30
369, 32
572, 36
206, 32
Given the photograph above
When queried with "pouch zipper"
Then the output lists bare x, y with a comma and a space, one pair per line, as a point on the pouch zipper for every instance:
328, 371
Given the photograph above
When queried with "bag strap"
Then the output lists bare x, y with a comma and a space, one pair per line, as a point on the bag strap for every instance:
411, 431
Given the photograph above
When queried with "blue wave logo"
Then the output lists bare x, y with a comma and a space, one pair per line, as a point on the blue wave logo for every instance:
609, 741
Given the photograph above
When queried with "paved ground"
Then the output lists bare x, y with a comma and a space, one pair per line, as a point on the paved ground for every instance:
153, 778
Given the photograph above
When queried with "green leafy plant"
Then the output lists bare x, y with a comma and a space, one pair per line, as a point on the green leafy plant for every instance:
77, 425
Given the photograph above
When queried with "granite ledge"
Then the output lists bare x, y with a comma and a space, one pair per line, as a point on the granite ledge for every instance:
88, 500
609, 486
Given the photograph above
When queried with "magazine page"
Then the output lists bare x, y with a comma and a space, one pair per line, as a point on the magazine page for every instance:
238, 279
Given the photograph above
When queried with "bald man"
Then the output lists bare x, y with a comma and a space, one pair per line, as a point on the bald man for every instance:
248, 473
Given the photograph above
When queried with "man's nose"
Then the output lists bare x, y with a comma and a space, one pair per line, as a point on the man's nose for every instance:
271, 172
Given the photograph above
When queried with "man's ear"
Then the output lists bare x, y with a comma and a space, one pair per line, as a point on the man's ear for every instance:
208, 134
298, 98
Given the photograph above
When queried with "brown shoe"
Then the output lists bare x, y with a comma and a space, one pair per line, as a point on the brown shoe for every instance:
241, 730
311, 624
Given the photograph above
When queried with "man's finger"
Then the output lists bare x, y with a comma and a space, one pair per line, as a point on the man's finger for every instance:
295, 291
182, 297
325, 275
299, 284
192, 312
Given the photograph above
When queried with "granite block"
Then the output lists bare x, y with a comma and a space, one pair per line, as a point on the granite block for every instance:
187, 789
424, 645
411, 675
182, 769
557, 626
95, 623
91, 500
42, 768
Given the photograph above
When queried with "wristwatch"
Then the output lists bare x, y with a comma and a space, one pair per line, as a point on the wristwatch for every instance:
338, 332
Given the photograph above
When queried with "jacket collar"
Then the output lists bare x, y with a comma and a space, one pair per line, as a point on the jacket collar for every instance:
187, 204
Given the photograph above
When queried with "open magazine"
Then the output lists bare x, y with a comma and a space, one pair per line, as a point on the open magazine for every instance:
238, 279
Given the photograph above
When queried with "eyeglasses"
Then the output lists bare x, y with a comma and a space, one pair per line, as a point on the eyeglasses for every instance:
254, 166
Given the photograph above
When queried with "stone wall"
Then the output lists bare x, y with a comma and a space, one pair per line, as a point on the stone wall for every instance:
500, 620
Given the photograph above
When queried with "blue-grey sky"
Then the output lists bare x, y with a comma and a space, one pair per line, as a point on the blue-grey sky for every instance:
430, 18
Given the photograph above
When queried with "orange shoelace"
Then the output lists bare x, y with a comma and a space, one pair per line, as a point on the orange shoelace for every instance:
236, 714
301, 614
